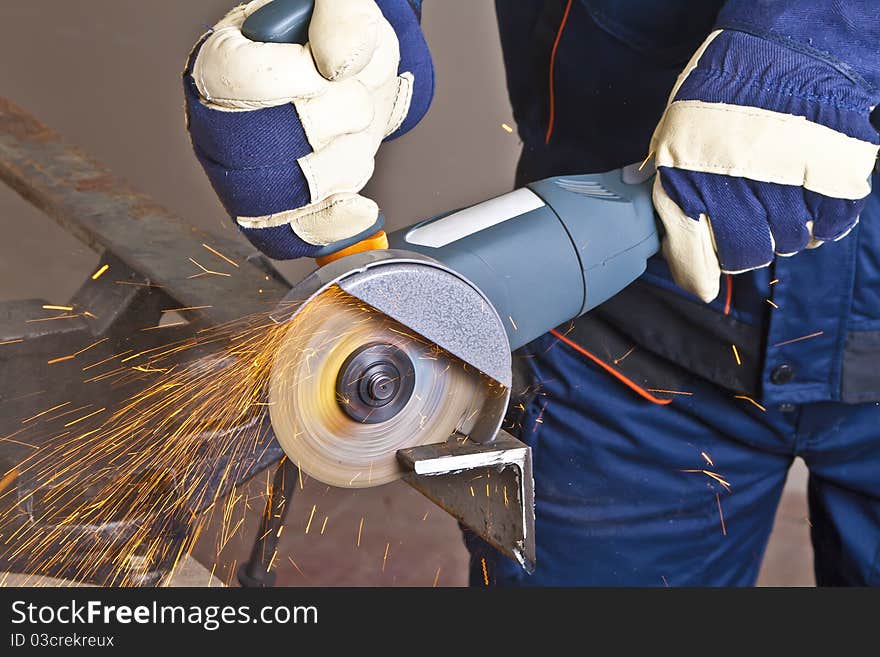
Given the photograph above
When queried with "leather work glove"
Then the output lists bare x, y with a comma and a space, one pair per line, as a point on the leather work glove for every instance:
287, 133
763, 150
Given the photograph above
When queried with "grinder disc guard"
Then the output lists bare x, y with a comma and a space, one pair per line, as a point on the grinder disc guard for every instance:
350, 387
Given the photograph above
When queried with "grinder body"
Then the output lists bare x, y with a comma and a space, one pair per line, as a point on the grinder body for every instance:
548, 252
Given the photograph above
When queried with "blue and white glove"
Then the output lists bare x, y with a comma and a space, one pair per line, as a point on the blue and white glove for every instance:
288, 133
763, 150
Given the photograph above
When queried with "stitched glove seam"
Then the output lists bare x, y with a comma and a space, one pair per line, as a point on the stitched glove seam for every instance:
804, 49
720, 75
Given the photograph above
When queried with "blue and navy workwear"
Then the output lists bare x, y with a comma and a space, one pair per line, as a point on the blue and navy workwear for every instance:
615, 62
621, 496
634, 494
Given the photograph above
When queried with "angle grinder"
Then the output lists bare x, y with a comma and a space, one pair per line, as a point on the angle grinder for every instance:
410, 343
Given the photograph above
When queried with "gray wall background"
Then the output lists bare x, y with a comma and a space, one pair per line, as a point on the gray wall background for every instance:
106, 74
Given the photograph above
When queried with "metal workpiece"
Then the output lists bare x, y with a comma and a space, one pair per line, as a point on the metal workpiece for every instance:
488, 488
108, 215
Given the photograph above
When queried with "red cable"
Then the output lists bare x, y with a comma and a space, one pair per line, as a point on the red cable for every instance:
632, 385
729, 294
552, 119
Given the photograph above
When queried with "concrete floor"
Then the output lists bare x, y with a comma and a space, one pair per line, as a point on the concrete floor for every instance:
106, 74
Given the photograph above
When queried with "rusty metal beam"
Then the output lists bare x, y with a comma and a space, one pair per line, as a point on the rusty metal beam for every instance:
107, 214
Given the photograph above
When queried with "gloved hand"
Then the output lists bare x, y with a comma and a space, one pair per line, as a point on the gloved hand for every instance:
763, 150
287, 133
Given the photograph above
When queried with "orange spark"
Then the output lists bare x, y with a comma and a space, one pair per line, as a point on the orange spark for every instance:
803, 337
437, 577
164, 326
64, 308
101, 271
617, 361
750, 400
205, 271
293, 563
311, 515
671, 392
223, 257
485, 572
736, 354
772, 304
721, 514
60, 360
180, 310
360, 530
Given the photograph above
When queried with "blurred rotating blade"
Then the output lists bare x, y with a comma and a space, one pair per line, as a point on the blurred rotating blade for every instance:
307, 409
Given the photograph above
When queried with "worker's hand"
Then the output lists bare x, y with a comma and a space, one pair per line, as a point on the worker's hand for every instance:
287, 133
763, 150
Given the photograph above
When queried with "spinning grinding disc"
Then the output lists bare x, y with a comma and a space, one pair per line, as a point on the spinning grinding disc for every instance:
350, 387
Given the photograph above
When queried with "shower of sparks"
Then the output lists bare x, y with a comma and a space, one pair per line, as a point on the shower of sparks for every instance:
223, 257
800, 339
721, 514
485, 572
152, 471
736, 354
100, 272
506, 128
751, 401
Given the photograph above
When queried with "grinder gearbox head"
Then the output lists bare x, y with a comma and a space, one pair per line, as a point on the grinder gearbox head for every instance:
384, 351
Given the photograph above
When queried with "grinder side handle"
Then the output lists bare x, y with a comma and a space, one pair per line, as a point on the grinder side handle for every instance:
549, 252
